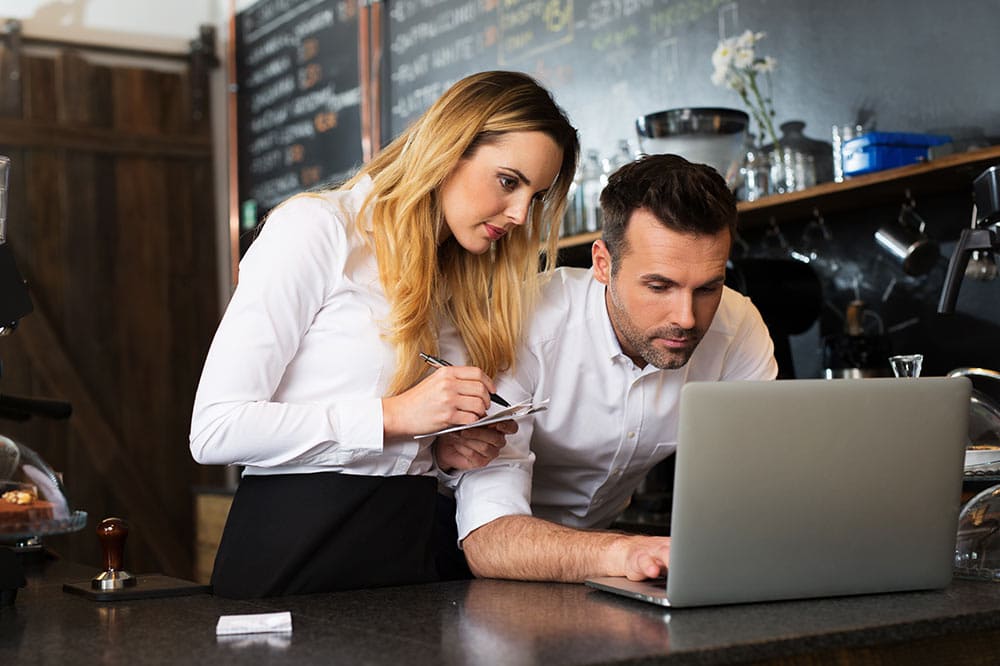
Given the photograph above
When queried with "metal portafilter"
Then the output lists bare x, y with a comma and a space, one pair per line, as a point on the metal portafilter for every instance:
979, 241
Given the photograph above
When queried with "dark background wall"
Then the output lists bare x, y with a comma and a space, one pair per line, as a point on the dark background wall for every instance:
901, 308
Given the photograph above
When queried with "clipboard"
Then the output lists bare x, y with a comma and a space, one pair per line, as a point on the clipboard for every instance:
517, 411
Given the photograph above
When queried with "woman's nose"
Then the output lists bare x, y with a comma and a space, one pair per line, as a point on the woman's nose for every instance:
519, 209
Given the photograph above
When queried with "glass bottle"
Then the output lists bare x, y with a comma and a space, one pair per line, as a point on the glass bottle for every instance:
591, 187
755, 173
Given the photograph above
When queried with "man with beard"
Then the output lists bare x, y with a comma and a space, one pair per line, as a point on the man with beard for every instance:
611, 348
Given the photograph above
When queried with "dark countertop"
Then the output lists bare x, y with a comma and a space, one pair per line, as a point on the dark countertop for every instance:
499, 622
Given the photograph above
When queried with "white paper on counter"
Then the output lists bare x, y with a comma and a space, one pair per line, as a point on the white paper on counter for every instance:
513, 412
255, 623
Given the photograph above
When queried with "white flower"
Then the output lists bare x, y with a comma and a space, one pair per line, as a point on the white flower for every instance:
765, 65
722, 56
743, 58
737, 66
747, 39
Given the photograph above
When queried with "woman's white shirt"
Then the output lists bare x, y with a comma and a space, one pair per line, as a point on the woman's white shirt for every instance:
296, 372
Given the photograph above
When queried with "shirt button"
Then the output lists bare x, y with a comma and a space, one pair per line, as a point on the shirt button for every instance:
631, 435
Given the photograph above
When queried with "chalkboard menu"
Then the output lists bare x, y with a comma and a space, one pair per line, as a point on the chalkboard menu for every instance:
609, 61
592, 54
298, 100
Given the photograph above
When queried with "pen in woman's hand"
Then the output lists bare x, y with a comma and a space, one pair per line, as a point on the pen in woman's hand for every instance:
441, 363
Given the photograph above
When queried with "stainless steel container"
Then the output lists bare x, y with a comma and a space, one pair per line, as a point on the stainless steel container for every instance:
704, 135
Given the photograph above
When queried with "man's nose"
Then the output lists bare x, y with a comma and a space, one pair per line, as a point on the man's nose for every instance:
683, 311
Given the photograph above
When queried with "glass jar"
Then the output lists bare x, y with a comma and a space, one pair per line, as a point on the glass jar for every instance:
803, 162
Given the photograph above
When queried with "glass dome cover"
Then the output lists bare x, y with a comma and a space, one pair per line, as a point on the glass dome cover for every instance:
33, 502
977, 548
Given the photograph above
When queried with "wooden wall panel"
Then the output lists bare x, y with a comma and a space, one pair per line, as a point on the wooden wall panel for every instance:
112, 222
38, 98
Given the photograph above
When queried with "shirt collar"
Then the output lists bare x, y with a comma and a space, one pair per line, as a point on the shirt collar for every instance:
358, 193
612, 348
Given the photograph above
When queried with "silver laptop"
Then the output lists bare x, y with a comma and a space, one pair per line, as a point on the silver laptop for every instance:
812, 488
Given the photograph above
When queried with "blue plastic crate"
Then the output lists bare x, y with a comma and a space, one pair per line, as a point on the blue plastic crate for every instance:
877, 151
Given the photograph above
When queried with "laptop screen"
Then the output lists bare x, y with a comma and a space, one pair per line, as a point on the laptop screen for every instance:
800, 488
812, 488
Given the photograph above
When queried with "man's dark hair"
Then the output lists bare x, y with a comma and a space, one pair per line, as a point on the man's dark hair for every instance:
685, 197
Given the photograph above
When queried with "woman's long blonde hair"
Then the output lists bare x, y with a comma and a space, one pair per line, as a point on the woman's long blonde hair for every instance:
487, 295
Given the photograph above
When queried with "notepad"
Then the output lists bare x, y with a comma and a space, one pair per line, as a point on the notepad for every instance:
254, 623
517, 411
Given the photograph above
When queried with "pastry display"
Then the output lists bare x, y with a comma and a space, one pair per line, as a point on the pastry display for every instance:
33, 502
22, 507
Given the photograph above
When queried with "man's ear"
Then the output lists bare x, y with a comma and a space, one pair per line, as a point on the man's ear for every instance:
601, 261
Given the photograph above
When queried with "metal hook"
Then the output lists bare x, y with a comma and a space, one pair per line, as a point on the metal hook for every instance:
820, 224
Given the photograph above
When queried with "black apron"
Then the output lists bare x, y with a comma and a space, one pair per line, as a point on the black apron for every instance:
305, 533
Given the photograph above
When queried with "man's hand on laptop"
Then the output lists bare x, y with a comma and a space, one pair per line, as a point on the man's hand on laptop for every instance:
472, 448
641, 557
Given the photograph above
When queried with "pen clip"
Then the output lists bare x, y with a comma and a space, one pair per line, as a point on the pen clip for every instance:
434, 360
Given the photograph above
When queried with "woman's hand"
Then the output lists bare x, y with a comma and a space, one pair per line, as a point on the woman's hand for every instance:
455, 395
472, 448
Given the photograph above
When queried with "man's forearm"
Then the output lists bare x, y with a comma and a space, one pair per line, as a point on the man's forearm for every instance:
529, 548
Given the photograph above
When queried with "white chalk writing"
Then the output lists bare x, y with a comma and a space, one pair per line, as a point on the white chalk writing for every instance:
274, 68
445, 22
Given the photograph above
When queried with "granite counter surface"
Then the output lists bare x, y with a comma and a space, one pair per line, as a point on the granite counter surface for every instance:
496, 622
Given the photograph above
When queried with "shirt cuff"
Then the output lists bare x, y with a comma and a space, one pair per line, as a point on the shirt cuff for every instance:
358, 424
490, 493
448, 479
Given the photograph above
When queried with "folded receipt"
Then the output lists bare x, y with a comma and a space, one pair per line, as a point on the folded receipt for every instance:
255, 623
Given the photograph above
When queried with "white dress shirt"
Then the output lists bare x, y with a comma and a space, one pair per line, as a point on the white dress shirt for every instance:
608, 422
296, 372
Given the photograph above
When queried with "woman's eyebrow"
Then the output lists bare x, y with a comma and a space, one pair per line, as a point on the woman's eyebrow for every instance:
520, 175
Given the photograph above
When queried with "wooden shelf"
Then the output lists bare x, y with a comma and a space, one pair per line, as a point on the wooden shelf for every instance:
951, 173
579, 239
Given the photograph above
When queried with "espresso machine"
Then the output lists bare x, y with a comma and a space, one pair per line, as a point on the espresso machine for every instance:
14, 300
974, 254
19, 538
15, 303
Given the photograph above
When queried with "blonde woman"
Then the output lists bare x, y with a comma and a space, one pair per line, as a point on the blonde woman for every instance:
314, 381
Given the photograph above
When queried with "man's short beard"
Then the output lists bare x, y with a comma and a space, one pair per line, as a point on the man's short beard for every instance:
640, 342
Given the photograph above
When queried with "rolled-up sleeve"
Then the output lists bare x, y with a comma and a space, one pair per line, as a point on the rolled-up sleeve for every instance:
503, 487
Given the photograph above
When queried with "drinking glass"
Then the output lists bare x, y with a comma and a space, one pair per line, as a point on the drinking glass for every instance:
907, 365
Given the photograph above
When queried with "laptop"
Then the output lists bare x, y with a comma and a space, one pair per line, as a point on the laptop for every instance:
806, 488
